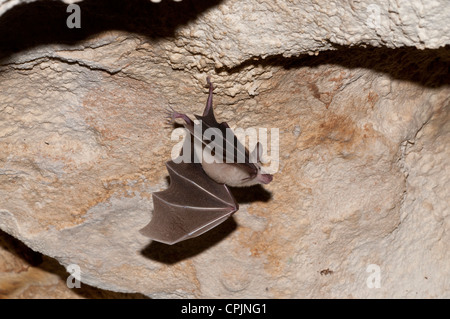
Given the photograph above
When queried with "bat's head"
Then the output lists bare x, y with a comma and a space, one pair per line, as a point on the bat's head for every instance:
263, 178
241, 174
259, 177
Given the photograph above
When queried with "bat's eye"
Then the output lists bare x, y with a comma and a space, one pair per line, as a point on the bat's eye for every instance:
250, 177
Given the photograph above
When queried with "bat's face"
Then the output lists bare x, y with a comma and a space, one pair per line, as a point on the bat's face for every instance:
233, 174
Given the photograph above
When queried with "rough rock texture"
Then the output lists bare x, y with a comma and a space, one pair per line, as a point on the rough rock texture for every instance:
361, 191
28, 274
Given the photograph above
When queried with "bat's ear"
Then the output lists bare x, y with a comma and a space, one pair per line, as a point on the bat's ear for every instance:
255, 156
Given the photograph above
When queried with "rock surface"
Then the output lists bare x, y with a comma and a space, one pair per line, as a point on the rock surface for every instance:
359, 204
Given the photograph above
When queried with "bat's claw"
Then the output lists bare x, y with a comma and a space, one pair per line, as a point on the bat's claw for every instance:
168, 115
168, 123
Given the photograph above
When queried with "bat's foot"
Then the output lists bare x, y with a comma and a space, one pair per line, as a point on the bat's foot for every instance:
210, 85
168, 115
176, 115
208, 81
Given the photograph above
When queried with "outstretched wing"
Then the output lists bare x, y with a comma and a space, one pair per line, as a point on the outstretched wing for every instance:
192, 205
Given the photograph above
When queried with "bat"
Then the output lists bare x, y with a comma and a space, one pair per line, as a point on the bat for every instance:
198, 198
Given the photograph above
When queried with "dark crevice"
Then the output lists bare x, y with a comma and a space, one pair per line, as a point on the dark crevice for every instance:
31, 258
44, 22
428, 67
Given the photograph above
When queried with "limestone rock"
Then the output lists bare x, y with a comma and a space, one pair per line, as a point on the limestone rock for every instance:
358, 206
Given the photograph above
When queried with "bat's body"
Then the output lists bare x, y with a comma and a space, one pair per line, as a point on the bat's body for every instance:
198, 198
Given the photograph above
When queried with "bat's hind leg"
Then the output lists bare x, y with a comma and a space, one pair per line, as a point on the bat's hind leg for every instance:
172, 115
176, 115
210, 97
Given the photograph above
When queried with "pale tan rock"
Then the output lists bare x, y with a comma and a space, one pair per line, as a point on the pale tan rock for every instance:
28, 274
363, 170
